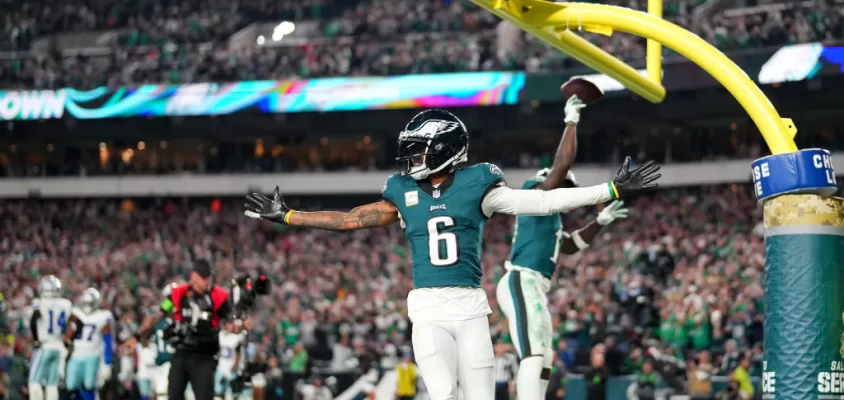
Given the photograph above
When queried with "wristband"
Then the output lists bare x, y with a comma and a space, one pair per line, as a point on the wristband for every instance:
613, 189
287, 217
578, 241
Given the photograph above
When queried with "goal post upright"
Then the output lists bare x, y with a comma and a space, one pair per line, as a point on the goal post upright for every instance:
653, 50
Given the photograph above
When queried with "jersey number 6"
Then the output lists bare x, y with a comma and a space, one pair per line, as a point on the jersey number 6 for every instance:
442, 246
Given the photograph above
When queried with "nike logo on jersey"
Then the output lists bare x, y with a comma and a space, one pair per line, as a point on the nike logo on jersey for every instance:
438, 207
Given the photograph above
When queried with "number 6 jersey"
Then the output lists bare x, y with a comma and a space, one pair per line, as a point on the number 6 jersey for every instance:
444, 226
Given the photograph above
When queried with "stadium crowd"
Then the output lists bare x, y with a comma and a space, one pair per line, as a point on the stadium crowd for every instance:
178, 42
687, 282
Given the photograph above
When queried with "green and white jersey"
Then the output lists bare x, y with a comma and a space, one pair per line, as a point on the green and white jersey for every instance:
163, 349
537, 240
444, 225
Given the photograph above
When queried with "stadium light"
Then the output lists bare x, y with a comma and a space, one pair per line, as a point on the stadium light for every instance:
261, 40
283, 29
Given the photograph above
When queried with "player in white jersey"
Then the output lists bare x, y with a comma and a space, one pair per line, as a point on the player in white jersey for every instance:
48, 323
232, 360
90, 329
146, 353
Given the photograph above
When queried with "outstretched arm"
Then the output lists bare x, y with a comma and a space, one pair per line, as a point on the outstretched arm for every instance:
505, 200
381, 213
627, 182
567, 150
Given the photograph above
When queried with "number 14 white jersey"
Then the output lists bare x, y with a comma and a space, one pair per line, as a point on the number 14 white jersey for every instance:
52, 321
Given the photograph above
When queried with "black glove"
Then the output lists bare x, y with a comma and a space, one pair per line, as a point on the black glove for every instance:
642, 178
260, 207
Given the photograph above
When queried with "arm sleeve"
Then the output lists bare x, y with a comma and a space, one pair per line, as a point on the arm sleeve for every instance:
33, 324
108, 346
167, 305
505, 200
225, 310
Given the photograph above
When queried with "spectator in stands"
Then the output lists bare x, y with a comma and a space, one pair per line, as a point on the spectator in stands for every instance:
298, 359
190, 42
731, 358
700, 373
565, 354
556, 382
741, 377
596, 376
406, 378
644, 387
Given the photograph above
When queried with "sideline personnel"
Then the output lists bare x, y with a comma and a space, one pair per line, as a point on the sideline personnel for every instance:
197, 309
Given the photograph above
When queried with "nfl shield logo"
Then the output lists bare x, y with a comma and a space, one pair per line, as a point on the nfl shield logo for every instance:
436, 193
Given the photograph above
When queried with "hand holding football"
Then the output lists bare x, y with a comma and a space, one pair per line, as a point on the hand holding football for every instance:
586, 91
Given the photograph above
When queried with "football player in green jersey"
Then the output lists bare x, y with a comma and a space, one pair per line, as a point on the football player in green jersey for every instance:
537, 243
160, 373
443, 204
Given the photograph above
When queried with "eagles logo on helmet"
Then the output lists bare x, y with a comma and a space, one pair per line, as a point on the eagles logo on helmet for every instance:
432, 141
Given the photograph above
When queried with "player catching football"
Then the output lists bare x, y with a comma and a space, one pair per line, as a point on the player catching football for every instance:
443, 205
537, 244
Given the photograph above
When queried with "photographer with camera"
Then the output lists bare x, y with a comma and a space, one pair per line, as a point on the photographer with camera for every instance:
197, 309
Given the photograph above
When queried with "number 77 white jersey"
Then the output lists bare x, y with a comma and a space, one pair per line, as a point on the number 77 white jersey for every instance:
89, 335
54, 312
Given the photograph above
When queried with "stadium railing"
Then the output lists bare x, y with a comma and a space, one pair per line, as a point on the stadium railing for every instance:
327, 183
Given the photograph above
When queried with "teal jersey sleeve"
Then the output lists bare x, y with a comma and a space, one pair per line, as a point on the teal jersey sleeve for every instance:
537, 239
392, 189
490, 176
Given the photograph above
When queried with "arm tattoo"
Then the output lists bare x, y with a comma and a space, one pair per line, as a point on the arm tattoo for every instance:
382, 213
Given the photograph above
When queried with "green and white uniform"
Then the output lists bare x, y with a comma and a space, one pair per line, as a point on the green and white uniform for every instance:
160, 372
522, 291
444, 226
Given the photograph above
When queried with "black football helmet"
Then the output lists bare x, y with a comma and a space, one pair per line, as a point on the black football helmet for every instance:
432, 141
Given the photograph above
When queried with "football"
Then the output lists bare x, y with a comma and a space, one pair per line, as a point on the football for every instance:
586, 91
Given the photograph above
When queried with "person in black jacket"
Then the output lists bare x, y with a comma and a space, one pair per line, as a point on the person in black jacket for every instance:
596, 377
197, 308
557, 382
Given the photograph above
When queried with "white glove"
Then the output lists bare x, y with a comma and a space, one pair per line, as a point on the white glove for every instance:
611, 213
573, 106
104, 375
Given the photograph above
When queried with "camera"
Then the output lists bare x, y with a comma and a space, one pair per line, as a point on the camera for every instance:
173, 331
245, 291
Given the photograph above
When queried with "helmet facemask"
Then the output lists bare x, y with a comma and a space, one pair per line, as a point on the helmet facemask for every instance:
413, 156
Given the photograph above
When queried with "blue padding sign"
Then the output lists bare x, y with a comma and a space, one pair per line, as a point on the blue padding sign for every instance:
804, 171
